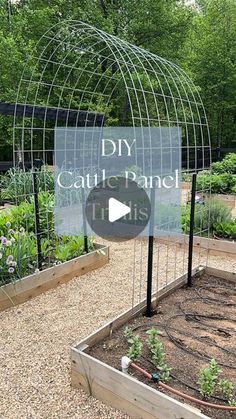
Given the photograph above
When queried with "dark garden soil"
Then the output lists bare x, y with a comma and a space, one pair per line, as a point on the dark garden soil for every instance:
196, 325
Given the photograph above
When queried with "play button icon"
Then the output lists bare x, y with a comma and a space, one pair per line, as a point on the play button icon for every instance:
118, 209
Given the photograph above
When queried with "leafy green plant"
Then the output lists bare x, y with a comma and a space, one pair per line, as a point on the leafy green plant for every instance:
226, 230
185, 218
214, 368
224, 183
17, 255
135, 348
227, 165
208, 378
152, 336
46, 211
22, 215
128, 333
63, 252
158, 354
135, 344
17, 227
17, 184
206, 382
207, 216
227, 388
222, 178
164, 372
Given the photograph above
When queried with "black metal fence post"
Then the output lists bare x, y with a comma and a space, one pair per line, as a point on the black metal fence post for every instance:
37, 222
150, 254
86, 249
191, 229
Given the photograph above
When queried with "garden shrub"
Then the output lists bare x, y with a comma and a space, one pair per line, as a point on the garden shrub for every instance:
209, 215
22, 215
227, 165
218, 183
221, 179
226, 230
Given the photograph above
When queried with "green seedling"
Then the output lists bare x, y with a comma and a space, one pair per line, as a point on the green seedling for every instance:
153, 336
164, 372
128, 333
158, 354
214, 368
135, 349
156, 347
227, 388
208, 378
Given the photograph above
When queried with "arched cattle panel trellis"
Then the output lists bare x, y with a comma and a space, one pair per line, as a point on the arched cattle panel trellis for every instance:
83, 76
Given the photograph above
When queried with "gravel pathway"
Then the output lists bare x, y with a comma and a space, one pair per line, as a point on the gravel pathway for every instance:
36, 338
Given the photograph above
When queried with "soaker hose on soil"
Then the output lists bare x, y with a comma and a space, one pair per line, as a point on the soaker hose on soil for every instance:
176, 343
155, 379
194, 316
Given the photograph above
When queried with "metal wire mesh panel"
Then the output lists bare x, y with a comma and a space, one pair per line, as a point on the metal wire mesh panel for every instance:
84, 77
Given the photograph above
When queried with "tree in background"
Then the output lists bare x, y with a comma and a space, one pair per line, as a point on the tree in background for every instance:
211, 58
202, 40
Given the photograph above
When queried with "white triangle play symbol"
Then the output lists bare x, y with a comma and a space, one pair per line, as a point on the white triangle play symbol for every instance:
117, 210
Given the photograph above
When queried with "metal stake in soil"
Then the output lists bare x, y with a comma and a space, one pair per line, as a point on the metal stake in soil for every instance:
191, 230
149, 312
84, 223
37, 222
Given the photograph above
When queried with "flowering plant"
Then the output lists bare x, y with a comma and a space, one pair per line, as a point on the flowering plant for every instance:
18, 247
17, 254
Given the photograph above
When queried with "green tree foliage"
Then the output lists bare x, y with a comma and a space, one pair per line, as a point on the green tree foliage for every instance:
202, 40
211, 58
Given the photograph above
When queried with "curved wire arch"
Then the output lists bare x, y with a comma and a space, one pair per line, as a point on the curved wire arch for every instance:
82, 68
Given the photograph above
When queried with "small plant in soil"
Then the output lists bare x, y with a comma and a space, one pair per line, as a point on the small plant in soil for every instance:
164, 372
128, 333
135, 344
208, 378
158, 354
152, 336
214, 368
156, 347
227, 388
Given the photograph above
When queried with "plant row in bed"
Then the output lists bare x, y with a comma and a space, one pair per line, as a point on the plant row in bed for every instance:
209, 380
221, 179
18, 250
215, 215
18, 184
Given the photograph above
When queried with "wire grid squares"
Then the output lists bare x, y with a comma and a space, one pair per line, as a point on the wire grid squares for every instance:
85, 77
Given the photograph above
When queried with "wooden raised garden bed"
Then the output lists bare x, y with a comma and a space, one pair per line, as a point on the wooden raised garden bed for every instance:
96, 366
33, 285
214, 247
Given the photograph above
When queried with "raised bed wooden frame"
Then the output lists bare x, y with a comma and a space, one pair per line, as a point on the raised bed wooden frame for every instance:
120, 390
214, 247
33, 285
